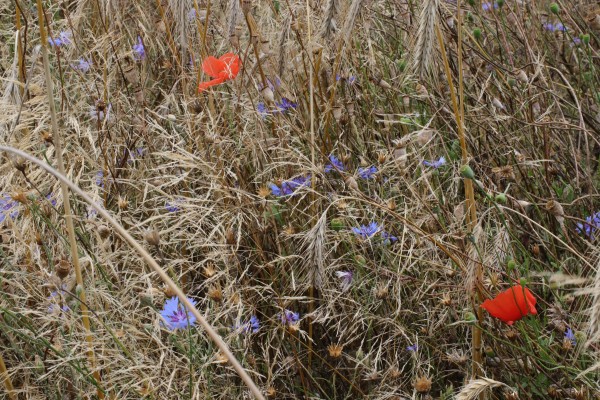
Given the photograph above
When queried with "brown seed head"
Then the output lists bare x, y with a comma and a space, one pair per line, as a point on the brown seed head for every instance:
422, 384
215, 293
152, 237
335, 350
63, 268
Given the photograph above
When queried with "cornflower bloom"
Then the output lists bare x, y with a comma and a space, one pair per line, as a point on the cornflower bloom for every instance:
367, 231
590, 226
83, 65
336, 164
367, 173
176, 316
570, 336
436, 163
558, 27
289, 187
412, 348
63, 39
139, 51
346, 277
8, 208
487, 6
289, 317
173, 206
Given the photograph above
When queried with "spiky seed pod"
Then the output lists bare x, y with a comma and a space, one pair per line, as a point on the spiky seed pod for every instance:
63, 268
395, 373
391, 204
422, 384
382, 290
103, 231
19, 196
123, 203
18, 163
522, 76
209, 270
215, 293
351, 182
169, 292
556, 209
152, 237
337, 113
47, 137
268, 95
512, 334
335, 350
271, 391
230, 237
131, 74
553, 391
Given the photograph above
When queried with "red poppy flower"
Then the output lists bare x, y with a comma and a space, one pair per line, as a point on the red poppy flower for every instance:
512, 304
221, 69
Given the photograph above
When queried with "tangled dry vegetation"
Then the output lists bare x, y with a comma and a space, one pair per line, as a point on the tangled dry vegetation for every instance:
304, 205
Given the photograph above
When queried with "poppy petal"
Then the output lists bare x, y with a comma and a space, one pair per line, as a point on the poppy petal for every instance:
205, 85
511, 305
213, 67
231, 64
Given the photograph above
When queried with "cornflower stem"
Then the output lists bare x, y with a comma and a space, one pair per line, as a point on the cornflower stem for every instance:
66, 200
151, 262
471, 216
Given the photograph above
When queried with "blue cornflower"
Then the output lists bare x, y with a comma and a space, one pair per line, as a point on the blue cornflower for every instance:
63, 39
351, 79
336, 164
175, 315
558, 27
487, 6
253, 324
590, 226
83, 65
285, 105
289, 317
570, 336
388, 238
173, 206
346, 277
436, 163
8, 208
139, 51
289, 187
367, 231
412, 348
54, 307
367, 173
50, 197
100, 178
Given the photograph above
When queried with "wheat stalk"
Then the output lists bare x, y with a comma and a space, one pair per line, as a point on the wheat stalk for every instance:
474, 388
425, 38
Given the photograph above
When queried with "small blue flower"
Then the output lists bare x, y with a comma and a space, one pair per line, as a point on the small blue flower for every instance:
590, 226
367, 173
83, 65
289, 187
191, 14
8, 208
558, 27
173, 206
139, 51
57, 297
63, 39
487, 6
289, 317
253, 324
176, 316
412, 348
367, 231
50, 197
436, 163
351, 79
285, 105
262, 109
346, 277
569, 335
388, 238
336, 164
100, 178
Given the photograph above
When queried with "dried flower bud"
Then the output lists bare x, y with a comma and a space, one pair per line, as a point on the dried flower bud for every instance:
230, 237
422, 384
267, 94
103, 231
556, 209
496, 103
337, 113
351, 182
47, 137
152, 237
123, 203
131, 74
215, 293
169, 292
522, 76
18, 163
335, 350
62, 269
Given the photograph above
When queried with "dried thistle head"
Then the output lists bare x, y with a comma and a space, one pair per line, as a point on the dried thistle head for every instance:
215, 293
335, 350
506, 172
422, 384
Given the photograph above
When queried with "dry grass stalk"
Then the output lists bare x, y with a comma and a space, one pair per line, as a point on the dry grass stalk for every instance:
476, 387
424, 46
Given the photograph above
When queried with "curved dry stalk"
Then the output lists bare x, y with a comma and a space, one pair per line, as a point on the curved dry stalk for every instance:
66, 200
152, 263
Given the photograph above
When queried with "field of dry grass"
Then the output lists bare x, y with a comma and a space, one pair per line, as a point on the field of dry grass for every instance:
357, 178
